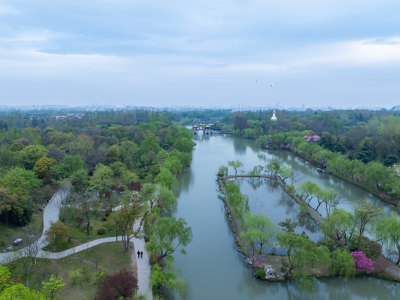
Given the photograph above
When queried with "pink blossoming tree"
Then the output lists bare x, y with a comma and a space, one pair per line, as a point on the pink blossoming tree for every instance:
363, 263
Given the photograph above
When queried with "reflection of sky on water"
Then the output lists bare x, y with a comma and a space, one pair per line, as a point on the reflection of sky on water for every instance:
212, 267
266, 197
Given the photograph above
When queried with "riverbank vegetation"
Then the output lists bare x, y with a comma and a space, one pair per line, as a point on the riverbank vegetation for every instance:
345, 250
378, 179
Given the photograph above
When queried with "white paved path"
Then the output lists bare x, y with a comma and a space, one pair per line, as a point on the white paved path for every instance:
51, 214
68, 252
143, 265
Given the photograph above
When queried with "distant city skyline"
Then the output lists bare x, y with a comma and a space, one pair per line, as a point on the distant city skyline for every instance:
229, 53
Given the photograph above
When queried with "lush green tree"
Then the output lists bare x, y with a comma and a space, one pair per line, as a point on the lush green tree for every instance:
365, 214
5, 278
21, 182
79, 181
309, 190
184, 158
166, 199
376, 175
173, 164
69, 165
274, 167
42, 168
279, 138
184, 144
101, 179
302, 254
388, 229
18, 291
8, 201
330, 198
17, 146
57, 232
366, 153
127, 216
128, 177
342, 263
60, 139
256, 170
30, 154
238, 202
52, 286
165, 280
235, 165
83, 145
259, 231
150, 193
223, 171
165, 178
339, 226
169, 235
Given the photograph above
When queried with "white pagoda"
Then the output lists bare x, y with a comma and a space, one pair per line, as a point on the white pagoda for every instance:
274, 118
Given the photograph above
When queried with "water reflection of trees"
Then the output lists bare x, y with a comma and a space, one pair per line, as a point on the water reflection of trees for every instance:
239, 145
260, 193
365, 288
185, 181
255, 183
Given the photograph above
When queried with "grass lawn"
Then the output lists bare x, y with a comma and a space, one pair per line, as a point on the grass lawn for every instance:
77, 229
108, 257
9, 233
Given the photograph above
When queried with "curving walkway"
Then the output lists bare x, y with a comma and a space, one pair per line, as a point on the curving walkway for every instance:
51, 214
71, 251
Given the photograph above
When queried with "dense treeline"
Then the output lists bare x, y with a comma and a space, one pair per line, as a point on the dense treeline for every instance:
373, 176
34, 160
360, 134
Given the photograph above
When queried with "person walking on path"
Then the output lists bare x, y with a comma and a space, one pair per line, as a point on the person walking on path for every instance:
141, 254
138, 253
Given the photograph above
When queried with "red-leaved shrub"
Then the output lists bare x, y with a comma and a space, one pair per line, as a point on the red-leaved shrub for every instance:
121, 284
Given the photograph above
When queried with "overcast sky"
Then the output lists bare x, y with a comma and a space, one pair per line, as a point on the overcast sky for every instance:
281, 53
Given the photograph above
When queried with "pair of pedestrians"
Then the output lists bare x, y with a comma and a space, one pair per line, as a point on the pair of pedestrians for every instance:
139, 254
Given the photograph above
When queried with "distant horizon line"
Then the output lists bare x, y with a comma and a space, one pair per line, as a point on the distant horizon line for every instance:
99, 107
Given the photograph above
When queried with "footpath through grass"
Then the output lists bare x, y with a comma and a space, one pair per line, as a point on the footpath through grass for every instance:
108, 258
101, 225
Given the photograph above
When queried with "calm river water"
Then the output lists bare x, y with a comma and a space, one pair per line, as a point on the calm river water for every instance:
212, 267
